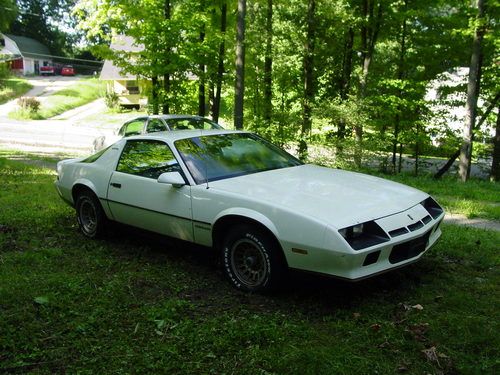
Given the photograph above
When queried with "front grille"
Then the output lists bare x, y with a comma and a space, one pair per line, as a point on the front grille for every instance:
398, 232
427, 219
415, 226
371, 258
409, 249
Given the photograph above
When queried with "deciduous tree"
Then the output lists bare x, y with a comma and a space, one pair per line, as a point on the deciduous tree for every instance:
473, 89
8, 13
239, 85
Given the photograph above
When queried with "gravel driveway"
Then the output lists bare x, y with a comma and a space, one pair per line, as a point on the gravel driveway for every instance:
42, 87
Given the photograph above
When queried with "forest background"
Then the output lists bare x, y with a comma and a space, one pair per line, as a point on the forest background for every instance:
344, 82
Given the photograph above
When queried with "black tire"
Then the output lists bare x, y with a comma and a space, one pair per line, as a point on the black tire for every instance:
90, 215
252, 259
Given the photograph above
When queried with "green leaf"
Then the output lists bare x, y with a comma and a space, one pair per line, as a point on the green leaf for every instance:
42, 300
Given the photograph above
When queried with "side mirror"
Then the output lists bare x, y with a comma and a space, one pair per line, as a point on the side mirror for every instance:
172, 178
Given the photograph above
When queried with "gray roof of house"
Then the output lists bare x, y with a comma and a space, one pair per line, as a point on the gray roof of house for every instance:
30, 48
120, 43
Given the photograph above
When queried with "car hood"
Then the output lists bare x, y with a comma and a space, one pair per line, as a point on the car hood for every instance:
339, 198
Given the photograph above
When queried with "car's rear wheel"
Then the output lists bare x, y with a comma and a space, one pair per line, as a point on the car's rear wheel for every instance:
90, 215
252, 260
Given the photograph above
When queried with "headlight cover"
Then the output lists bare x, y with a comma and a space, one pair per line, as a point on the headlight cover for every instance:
361, 236
432, 207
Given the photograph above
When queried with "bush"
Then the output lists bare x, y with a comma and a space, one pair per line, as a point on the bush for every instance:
4, 71
29, 104
111, 99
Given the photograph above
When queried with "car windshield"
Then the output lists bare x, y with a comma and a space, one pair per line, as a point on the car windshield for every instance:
216, 157
191, 123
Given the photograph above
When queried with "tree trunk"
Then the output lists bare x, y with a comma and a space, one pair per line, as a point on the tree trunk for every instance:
308, 81
400, 157
400, 74
345, 83
201, 83
395, 143
495, 164
166, 75
239, 86
473, 88
417, 149
154, 94
452, 159
447, 166
282, 119
268, 66
220, 68
211, 96
166, 89
369, 36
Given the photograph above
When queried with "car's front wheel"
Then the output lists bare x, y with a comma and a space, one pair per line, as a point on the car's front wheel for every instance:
252, 260
90, 215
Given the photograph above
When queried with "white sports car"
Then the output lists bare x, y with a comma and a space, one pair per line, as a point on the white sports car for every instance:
263, 208
152, 124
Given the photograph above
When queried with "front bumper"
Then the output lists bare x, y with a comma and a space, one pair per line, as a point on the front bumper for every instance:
411, 232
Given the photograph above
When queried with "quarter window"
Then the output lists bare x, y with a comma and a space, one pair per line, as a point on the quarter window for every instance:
147, 158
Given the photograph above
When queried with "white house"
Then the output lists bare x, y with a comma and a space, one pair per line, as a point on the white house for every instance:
128, 87
25, 55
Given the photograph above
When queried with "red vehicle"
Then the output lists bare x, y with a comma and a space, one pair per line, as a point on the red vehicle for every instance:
47, 70
67, 70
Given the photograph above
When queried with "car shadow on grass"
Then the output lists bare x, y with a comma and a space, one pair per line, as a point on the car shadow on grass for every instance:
309, 295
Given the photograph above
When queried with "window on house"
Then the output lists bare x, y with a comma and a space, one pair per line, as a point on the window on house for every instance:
132, 87
2, 42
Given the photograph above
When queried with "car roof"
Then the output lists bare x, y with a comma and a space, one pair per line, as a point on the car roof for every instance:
165, 117
183, 134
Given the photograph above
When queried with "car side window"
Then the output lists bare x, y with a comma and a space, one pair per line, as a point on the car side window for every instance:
181, 124
147, 158
192, 123
156, 125
132, 128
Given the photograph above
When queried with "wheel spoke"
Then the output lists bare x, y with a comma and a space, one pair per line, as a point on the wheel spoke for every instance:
248, 261
88, 217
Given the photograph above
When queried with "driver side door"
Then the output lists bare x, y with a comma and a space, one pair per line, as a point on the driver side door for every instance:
136, 198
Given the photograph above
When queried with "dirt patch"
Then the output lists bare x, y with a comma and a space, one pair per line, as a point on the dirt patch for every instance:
458, 219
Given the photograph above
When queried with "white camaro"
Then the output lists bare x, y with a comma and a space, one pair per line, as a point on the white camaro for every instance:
264, 209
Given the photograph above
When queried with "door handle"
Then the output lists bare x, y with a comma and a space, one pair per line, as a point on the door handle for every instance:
116, 185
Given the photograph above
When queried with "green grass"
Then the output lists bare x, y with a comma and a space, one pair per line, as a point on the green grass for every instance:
12, 88
81, 93
138, 303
